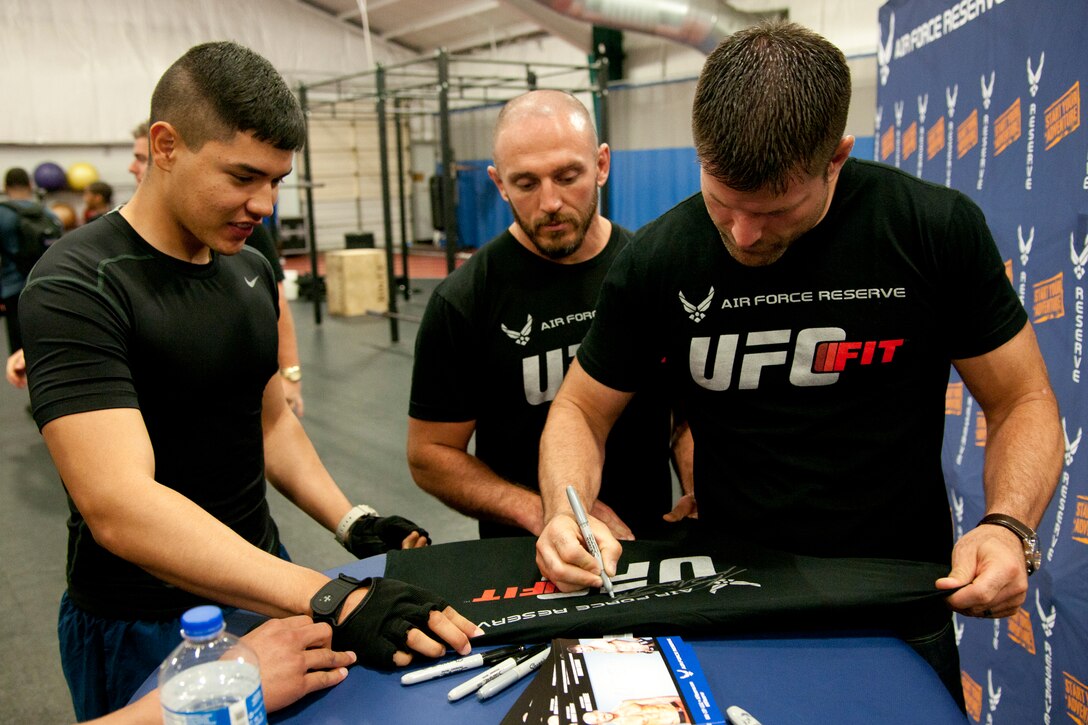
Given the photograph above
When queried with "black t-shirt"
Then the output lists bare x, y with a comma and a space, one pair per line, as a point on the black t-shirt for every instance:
111, 322
496, 340
261, 240
815, 386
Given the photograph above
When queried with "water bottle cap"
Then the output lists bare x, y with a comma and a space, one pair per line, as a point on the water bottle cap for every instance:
202, 621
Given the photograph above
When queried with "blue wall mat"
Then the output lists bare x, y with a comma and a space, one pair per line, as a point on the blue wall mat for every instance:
481, 212
646, 183
863, 147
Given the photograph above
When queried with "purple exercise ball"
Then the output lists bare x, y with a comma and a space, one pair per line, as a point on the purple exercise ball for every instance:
50, 176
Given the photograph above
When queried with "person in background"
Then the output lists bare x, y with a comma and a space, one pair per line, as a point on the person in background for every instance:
138, 165
150, 342
261, 240
97, 200
809, 307
67, 215
19, 192
498, 334
15, 369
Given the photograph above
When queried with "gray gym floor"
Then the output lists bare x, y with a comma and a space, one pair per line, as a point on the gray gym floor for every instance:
356, 394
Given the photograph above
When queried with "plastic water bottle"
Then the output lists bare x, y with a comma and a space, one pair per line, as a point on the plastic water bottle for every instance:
212, 677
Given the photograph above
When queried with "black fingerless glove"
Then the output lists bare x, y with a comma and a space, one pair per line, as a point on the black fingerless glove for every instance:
372, 535
377, 628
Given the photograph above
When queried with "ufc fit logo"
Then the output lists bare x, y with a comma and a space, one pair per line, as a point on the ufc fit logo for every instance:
816, 357
695, 572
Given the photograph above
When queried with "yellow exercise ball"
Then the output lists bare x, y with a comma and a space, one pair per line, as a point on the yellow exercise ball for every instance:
80, 175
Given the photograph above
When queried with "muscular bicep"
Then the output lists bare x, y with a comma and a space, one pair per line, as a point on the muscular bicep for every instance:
1003, 378
103, 456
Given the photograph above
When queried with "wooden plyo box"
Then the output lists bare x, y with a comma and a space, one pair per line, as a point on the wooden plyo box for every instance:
355, 281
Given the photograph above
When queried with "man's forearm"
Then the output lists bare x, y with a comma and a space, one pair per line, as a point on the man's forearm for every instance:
1024, 460
571, 454
203, 556
294, 468
288, 342
468, 485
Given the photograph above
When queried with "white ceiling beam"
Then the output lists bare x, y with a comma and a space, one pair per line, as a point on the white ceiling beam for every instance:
493, 35
371, 6
576, 32
454, 14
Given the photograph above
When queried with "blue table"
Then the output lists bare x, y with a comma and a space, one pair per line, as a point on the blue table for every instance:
850, 679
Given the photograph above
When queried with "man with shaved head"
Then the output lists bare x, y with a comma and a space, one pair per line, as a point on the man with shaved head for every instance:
500, 332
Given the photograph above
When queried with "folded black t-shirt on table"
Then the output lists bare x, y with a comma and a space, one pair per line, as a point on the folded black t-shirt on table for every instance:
693, 586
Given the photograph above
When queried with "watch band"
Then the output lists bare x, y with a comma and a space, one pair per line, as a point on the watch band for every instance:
350, 518
329, 600
1033, 558
292, 373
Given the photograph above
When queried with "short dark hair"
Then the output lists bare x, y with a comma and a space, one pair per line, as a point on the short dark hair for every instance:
102, 189
16, 177
140, 131
218, 89
770, 107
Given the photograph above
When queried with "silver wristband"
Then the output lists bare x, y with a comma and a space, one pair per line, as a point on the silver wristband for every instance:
350, 518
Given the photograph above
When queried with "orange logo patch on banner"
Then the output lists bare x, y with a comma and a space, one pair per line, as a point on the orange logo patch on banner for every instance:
967, 134
1020, 630
1063, 116
935, 138
980, 429
1080, 520
1049, 299
887, 143
972, 694
910, 140
1076, 699
1007, 127
953, 399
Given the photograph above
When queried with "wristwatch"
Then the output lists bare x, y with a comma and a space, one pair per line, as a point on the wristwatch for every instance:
1033, 556
329, 600
292, 373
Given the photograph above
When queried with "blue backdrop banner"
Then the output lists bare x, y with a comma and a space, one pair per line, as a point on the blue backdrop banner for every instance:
984, 96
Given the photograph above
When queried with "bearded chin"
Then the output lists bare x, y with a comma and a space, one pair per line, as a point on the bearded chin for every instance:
553, 251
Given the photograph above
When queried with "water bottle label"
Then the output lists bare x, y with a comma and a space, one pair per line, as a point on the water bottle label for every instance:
248, 712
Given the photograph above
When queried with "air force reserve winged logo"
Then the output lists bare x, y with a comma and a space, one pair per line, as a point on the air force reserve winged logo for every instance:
987, 90
1046, 621
1025, 244
995, 695
1080, 259
521, 336
1035, 75
884, 51
697, 312
1071, 446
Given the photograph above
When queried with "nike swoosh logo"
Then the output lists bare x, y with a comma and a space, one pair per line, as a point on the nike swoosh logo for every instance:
249, 281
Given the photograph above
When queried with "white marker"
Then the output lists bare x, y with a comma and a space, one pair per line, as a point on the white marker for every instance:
739, 716
587, 534
460, 665
506, 679
472, 685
